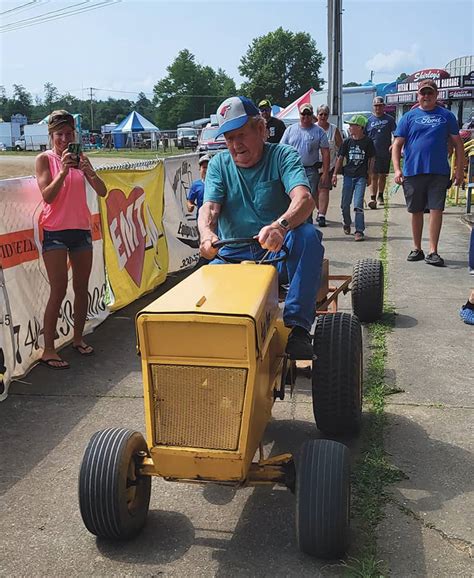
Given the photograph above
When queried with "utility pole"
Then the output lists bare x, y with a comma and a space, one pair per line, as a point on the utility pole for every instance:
335, 60
92, 108
371, 76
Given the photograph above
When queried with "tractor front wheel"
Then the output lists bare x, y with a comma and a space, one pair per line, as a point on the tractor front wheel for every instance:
113, 496
323, 499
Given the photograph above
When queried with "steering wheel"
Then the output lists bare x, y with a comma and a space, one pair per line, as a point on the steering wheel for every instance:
249, 241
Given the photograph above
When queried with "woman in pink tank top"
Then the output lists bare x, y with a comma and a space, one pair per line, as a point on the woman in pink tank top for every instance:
61, 177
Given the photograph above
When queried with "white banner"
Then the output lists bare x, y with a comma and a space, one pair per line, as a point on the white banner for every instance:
24, 287
180, 225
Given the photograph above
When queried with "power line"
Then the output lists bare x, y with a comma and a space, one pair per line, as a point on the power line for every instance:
21, 7
56, 15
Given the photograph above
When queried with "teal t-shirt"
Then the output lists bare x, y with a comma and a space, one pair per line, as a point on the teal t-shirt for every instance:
254, 197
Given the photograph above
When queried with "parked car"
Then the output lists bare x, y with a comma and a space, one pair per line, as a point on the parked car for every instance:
186, 138
2, 147
208, 142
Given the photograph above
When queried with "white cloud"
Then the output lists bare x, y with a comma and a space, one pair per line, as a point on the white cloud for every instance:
395, 61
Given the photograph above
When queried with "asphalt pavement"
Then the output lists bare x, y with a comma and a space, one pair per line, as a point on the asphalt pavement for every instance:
193, 530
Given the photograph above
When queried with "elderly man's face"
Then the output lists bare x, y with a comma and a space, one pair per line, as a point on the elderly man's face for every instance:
246, 144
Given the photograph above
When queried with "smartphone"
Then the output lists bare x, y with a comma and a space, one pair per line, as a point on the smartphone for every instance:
75, 149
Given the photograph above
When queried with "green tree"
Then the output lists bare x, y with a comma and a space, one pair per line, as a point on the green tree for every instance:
145, 107
22, 100
281, 66
51, 96
189, 91
402, 77
352, 84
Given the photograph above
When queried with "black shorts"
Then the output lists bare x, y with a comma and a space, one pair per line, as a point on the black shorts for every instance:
382, 165
72, 240
425, 192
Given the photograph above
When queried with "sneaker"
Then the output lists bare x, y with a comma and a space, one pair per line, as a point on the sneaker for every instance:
416, 255
434, 259
467, 315
321, 221
346, 229
471, 270
372, 204
359, 236
299, 344
380, 201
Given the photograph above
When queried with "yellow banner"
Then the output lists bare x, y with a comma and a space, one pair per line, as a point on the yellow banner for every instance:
136, 254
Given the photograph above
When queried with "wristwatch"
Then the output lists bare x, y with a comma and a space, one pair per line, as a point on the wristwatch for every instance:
283, 223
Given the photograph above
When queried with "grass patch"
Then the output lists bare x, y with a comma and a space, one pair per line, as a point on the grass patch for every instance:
373, 472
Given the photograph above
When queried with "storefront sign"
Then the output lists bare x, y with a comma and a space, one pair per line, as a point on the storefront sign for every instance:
460, 93
468, 79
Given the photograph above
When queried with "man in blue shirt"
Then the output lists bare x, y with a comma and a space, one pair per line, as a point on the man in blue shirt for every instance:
309, 139
260, 190
195, 196
423, 133
379, 129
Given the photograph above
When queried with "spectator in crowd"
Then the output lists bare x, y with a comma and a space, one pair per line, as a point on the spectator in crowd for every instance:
260, 190
275, 126
195, 196
66, 223
379, 128
335, 141
308, 139
424, 133
357, 152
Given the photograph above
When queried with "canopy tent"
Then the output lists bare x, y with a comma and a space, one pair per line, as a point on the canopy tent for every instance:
290, 114
129, 131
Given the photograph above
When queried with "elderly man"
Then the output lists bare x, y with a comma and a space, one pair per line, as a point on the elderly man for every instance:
379, 129
275, 126
260, 190
424, 133
309, 139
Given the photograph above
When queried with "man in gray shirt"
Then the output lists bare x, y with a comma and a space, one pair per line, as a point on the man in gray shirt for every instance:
308, 139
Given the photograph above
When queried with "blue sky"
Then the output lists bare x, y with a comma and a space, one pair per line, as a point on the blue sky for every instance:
127, 45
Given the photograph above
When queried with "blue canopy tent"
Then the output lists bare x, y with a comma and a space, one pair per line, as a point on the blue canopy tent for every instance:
129, 133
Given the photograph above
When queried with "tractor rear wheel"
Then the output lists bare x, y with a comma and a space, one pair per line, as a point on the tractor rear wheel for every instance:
337, 374
323, 499
367, 290
113, 496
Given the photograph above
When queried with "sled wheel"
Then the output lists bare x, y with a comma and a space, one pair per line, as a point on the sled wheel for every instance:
113, 496
367, 290
323, 499
337, 374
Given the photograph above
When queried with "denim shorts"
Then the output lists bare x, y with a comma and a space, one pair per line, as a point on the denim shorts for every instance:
72, 240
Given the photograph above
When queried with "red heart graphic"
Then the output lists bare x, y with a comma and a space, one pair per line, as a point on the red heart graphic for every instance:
125, 217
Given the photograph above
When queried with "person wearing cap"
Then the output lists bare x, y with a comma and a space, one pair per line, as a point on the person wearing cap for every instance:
335, 141
195, 195
259, 190
424, 133
380, 127
275, 126
358, 152
66, 223
309, 140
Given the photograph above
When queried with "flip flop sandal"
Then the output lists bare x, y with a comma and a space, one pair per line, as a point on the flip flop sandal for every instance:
49, 363
84, 349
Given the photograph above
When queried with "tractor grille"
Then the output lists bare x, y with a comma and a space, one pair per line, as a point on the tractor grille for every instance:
198, 407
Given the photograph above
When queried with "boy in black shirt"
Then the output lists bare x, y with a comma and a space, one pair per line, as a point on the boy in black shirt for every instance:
358, 153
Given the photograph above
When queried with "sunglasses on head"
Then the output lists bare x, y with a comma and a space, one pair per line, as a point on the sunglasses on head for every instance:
57, 117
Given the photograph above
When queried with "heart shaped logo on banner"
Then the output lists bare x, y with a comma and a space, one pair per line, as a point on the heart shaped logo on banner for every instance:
125, 217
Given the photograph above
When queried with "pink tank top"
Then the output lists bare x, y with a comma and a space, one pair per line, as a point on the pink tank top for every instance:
69, 209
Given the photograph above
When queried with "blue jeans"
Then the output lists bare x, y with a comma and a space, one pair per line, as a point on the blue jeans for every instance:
313, 177
471, 250
353, 187
302, 269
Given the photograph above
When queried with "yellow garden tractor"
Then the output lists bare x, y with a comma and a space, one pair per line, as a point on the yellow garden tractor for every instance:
213, 361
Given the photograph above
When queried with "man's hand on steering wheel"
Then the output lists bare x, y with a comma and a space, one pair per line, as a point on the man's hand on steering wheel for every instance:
206, 249
271, 237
